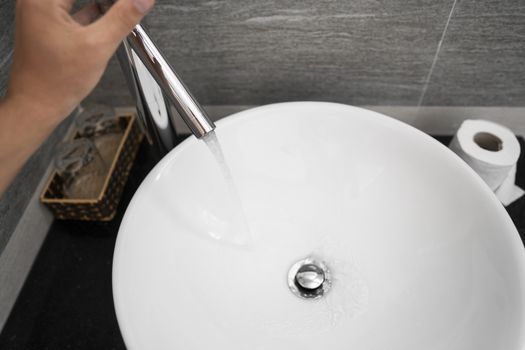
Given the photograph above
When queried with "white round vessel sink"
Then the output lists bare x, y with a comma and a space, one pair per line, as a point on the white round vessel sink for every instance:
361, 232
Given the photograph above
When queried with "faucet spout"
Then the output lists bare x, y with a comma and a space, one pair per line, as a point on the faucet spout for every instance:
172, 87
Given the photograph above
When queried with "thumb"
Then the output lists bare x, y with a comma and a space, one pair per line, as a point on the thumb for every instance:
120, 19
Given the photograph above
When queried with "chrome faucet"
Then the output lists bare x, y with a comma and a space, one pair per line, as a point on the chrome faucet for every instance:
158, 132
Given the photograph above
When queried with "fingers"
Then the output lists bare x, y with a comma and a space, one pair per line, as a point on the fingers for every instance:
120, 19
87, 14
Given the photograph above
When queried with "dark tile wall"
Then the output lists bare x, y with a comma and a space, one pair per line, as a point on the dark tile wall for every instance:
7, 13
375, 52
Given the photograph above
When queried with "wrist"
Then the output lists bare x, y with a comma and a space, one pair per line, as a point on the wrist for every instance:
26, 108
23, 128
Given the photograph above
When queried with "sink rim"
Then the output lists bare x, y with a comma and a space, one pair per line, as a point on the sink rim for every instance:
480, 185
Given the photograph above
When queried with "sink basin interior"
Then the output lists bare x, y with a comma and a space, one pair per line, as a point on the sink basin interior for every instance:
420, 252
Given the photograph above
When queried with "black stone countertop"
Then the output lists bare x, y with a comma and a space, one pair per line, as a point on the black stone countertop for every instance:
66, 302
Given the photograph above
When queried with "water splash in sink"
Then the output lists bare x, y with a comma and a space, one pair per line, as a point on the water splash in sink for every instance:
238, 231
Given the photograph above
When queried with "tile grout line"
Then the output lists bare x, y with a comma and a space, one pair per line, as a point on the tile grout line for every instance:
436, 56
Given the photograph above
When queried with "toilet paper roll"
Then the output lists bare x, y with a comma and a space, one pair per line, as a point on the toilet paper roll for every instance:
492, 150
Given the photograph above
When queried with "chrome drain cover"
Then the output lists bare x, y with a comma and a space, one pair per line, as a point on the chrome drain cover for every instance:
309, 278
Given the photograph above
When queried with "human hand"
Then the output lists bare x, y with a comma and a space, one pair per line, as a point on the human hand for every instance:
59, 58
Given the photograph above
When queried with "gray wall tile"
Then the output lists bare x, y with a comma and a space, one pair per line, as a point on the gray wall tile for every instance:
256, 52
482, 61
7, 14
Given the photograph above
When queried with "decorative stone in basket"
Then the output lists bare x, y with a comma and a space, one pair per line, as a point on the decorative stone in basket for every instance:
93, 192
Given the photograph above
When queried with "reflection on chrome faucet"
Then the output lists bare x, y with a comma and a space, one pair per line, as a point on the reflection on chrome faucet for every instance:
170, 84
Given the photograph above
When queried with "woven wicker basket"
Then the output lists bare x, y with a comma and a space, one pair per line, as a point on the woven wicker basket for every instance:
104, 206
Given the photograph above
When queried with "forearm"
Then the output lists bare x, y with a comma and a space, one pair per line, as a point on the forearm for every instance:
24, 125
